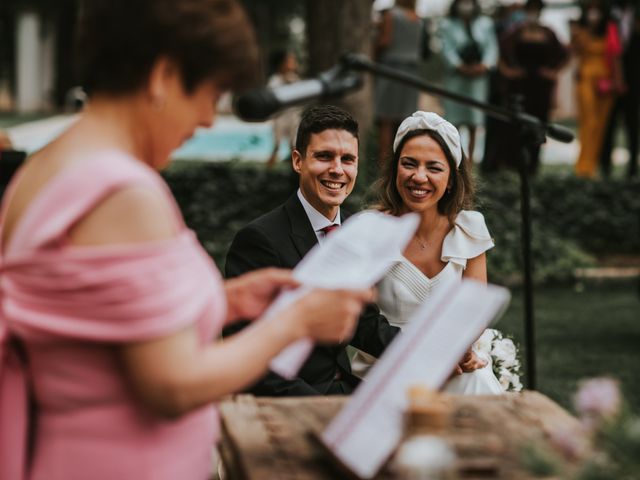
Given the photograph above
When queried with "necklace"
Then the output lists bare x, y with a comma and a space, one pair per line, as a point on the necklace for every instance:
423, 245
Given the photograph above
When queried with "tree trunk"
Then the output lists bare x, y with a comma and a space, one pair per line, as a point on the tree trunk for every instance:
271, 19
335, 27
65, 19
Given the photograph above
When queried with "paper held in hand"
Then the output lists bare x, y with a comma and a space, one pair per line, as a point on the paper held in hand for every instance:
356, 255
369, 427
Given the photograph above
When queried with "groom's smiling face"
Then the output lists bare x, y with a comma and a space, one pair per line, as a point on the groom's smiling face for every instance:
328, 169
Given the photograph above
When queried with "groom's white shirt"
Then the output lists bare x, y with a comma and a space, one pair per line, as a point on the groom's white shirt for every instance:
318, 220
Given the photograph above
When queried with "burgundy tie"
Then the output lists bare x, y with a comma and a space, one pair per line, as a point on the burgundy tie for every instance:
329, 228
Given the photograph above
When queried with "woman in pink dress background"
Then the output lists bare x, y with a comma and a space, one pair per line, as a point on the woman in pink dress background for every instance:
108, 305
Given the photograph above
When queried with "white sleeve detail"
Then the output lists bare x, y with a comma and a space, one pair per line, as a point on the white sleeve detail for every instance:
468, 238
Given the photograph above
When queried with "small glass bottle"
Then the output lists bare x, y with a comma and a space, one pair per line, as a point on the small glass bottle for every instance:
424, 457
424, 454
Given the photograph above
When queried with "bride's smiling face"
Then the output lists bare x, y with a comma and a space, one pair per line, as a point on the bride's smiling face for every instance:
423, 174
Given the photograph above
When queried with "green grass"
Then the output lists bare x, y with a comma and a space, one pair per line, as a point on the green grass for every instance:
589, 330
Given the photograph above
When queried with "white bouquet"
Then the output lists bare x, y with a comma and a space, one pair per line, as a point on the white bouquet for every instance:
504, 358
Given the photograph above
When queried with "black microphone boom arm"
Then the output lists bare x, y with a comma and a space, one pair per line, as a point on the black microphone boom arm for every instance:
360, 62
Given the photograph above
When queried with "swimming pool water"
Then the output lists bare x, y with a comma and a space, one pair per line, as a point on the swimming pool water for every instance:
231, 139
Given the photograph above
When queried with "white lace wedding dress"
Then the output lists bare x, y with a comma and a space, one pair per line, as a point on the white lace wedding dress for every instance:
405, 287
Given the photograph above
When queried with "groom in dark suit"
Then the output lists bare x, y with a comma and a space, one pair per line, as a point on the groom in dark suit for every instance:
326, 159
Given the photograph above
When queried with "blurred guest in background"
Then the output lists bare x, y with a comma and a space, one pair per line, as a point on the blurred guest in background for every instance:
469, 47
626, 14
504, 17
596, 44
399, 45
285, 70
531, 57
108, 305
5, 141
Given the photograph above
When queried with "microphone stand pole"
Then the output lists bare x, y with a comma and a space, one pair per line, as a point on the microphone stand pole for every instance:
531, 132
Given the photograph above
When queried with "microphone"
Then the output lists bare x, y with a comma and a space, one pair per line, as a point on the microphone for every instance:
560, 133
259, 104
552, 130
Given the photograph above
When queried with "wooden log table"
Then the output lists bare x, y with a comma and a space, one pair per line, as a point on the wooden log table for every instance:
264, 438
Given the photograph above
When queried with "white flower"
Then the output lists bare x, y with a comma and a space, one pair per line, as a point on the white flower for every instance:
509, 380
505, 351
504, 359
504, 382
516, 385
483, 344
506, 373
513, 366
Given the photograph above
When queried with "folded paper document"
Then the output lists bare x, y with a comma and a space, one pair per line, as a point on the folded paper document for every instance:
369, 427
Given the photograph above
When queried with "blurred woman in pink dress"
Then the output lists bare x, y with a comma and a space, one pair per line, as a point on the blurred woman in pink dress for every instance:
109, 307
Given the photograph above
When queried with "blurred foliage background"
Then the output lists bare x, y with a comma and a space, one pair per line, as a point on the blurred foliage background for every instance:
583, 328
575, 221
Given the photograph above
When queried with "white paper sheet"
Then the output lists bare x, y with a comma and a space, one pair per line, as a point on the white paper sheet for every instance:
356, 256
368, 428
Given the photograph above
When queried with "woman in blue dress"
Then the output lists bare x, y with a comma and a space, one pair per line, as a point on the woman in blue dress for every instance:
469, 48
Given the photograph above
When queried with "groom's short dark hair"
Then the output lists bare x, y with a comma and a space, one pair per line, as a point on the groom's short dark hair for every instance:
319, 118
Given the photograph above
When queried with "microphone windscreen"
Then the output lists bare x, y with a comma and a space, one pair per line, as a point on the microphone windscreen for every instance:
560, 133
255, 105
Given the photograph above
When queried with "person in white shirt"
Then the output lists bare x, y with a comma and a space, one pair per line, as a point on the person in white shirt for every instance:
430, 175
326, 160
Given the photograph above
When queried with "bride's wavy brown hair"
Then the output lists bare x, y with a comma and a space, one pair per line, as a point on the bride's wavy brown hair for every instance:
461, 196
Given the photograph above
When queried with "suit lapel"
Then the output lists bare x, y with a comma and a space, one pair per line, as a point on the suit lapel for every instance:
304, 239
302, 234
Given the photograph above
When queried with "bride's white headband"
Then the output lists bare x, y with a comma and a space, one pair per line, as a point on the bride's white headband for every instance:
431, 121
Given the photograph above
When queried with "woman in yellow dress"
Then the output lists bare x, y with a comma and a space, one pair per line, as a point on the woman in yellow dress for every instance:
595, 43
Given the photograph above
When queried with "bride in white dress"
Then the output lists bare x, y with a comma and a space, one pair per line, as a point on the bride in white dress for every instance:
429, 174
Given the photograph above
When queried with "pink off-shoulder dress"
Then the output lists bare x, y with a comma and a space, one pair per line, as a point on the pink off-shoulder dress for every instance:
65, 309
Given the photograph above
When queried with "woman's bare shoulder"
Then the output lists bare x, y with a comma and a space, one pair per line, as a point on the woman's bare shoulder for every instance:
134, 214
34, 174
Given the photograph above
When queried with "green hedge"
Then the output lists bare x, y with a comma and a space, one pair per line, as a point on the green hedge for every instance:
601, 216
217, 199
573, 219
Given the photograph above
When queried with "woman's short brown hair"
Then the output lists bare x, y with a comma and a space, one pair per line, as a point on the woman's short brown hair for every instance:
118, 42
460, 197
